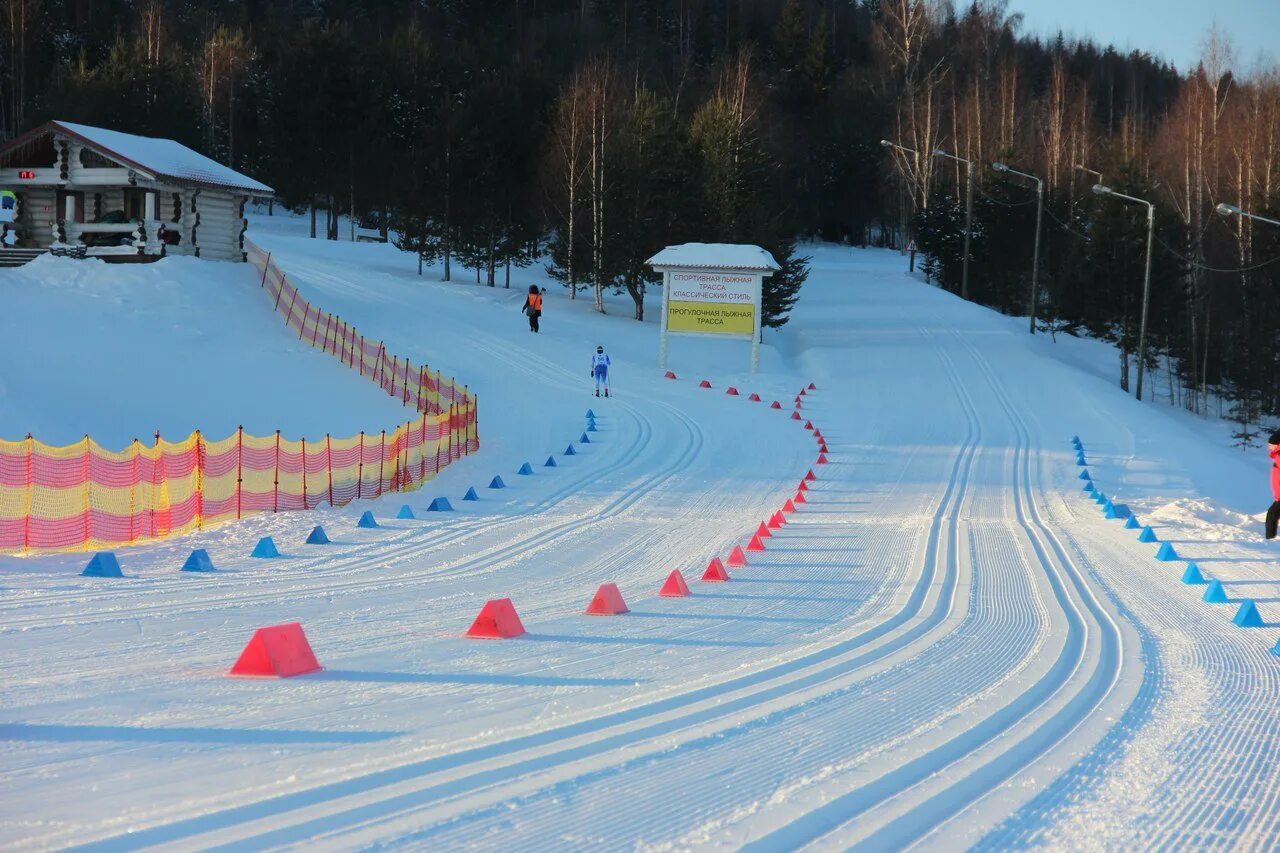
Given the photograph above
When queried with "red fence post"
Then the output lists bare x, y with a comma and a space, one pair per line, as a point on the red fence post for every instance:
275, 495
395, 370
239, 467
265, 266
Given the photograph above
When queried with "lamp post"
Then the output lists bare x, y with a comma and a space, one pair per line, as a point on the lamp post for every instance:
1231, 210
1099, 189
1035, 255
968, 217
884, 143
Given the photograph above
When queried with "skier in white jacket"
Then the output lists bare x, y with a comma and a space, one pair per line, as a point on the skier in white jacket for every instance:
600, 370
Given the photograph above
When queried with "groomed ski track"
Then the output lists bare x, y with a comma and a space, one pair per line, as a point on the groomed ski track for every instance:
946, 646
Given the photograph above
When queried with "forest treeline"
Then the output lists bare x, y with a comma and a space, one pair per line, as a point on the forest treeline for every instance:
583, 135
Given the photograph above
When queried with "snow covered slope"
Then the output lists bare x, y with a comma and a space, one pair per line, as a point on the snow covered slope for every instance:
120, 351
947, 646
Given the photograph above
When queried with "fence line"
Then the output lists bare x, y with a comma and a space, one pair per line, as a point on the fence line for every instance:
82, 496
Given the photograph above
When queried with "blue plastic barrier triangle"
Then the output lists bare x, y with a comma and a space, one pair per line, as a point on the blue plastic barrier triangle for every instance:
198, 561
586, 439
1248, 616
1131, 523
591, 427
440, 505
496, 483
405, 512
1165, 553
590, 413
569, 451
1084, 475
318, 536
1193, 575
550, 463
1214, 593
526, 469
471, 495
103, 565
1148, 535
265, 549
367, 520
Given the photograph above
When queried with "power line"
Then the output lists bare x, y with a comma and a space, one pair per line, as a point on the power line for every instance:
1208, 268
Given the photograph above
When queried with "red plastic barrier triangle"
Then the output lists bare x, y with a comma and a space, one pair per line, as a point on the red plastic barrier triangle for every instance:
763, 531
795, 416
804, 487
810, 476
802, 392
731, 391
607, 601
715, 571
775, 405
822, 448
822, 459
799, 498
704, 384
775, 521
670, 375
737, 559
280, 651
788, 506
813, 387
497, 621
675, 587
808, 425
755, 544
754, 397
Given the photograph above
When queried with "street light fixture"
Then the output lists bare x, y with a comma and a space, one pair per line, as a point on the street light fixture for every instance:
1035, 255
968, 216
1231, 210
1100, 189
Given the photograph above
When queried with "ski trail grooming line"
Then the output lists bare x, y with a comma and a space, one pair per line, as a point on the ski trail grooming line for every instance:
1094, 654
421, 784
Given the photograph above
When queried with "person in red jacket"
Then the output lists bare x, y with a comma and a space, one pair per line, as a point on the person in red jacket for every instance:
1273, 514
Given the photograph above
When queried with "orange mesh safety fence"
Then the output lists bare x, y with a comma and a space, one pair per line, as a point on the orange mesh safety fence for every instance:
83, 496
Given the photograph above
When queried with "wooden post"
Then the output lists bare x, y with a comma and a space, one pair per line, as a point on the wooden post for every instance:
395, 370
135, 449
199, 482
304, 473
155, 482
315, 332
275, 494
239, 467
360, 468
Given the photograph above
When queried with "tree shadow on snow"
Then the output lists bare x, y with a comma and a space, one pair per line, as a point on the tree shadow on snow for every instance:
647, 641
737, 617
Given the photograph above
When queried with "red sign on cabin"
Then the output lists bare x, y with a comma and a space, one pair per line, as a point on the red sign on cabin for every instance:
26, 175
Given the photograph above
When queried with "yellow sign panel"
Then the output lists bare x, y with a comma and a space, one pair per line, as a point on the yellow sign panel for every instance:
714, 318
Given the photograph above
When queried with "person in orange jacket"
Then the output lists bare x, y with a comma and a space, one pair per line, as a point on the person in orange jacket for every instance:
533, 306
1273, 513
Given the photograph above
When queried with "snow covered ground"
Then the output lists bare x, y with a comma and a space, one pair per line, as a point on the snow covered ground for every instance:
947, 646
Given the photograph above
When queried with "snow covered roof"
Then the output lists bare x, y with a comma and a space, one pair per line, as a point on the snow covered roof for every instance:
163, 158
729, 256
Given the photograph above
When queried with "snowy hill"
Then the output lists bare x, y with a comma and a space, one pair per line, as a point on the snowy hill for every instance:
947, 644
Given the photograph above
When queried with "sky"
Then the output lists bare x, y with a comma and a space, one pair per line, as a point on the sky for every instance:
1172, 29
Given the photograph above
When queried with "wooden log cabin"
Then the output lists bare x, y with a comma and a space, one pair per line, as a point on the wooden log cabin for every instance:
88, 191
